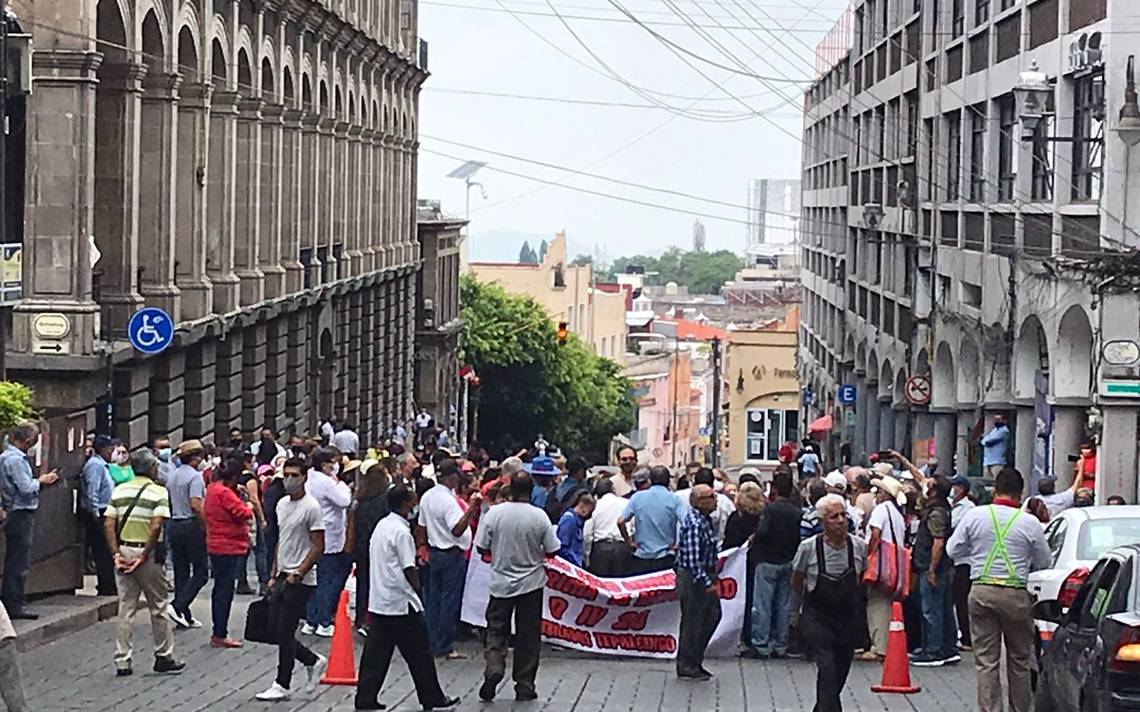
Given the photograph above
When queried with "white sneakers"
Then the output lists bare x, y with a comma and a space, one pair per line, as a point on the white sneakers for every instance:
178, 619
275, 693
325, 631
313, 673
307, 628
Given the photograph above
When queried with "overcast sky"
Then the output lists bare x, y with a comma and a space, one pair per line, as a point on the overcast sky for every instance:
475, 45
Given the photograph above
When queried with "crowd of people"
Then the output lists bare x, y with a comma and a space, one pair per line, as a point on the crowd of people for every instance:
407, 517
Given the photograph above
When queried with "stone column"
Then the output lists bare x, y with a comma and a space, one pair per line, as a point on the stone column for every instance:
945, 431
116, 204
270, 240
887, 426
220, 201
309, 172
1025, 439
902, 438
246, 212
413, 193
58, 205
158, 156
859, 444
404, 200
367, 205
923, 430
340, 198
189, 202
873, 417
291, 202
1068, 428
964, 423
357, 185
1116, 458
329, 183
388, 200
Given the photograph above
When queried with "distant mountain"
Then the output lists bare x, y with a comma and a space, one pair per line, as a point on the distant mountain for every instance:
503, 245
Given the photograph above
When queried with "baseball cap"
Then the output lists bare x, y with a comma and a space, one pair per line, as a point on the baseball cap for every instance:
640, 477
960, 481
835, 479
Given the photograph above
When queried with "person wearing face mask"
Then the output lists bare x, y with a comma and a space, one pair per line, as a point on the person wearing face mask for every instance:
333, 569
235, 439
21, 499
267, 448
160, 446
97, 487
187, 542
293, 578
118, 463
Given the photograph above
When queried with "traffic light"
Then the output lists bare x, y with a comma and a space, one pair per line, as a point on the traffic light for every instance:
563, 333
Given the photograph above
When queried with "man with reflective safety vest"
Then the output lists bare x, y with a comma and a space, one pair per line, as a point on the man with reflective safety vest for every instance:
1003, 546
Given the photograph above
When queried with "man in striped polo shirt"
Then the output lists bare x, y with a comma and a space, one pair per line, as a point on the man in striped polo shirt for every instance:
133, 527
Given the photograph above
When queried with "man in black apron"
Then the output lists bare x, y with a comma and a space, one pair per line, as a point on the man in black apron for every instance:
825, 582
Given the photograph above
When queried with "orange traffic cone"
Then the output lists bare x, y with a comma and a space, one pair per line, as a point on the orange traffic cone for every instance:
341, 668
896, 667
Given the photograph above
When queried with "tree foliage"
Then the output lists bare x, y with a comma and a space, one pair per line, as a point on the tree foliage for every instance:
530, 384
703, 272
15, 404
582, 261
527, 255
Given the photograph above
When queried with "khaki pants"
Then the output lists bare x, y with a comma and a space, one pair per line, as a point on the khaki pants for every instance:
1000, 614
146, 581
994, 470
878, 620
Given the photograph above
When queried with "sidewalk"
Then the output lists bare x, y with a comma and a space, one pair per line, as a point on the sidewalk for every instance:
60, 616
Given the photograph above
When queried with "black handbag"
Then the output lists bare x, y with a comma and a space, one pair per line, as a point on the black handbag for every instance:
261, 620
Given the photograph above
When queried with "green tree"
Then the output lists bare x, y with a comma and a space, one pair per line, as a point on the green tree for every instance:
15, 404
702, 272
530, 384
581, 261
527, 255
542, 249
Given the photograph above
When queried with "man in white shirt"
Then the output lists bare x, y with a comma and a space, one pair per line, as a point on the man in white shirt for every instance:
607, 554
449, 538
519, 538
886, 523
397, 612
1056, 502
333, 569
960, 506
346, 440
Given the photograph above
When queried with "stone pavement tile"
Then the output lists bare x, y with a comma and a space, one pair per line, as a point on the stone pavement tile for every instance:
77, 673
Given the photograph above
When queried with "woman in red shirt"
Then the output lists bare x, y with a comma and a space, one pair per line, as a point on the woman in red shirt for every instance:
1086, 466
227, 542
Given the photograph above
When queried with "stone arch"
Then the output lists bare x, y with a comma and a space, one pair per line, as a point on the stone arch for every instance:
872, 367
288, 93
969, 377
886, 379
922, 362
900, 386
110, 218
351, 106
152, 43
1074, 350
306, 93
268, 53
338, 101
1030, 356
268, 85
188, 64
404, 124
219, 63
245, 83
111, 30
861, 357
945, 391
287, 60
220, 40
323, 96
375, 113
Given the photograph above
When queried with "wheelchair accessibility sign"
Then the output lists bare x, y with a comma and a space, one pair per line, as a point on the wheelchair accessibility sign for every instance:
150, 330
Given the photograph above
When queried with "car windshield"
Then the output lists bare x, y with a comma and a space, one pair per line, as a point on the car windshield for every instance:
1100, 535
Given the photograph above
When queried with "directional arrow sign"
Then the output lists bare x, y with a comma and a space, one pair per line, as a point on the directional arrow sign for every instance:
57, 348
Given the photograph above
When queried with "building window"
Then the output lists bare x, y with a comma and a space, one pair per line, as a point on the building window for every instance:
958, 18
766, 429
978, 154
953, 155
981, 11
1088, 136
1007, 4
1007, 150
911, 122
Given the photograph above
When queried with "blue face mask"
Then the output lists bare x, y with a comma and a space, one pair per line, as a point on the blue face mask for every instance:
164, 454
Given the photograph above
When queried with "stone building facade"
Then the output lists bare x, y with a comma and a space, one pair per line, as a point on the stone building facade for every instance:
250, 167
439, 389
944, 238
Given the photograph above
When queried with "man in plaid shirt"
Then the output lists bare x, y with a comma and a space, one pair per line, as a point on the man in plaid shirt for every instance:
697, 587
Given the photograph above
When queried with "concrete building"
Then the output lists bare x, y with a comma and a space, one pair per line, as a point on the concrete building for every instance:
567, 293
668, 407
439, 388
773, 220
249, 167
763, 395
939, 244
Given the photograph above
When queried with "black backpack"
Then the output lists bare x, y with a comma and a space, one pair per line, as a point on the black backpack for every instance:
556, 507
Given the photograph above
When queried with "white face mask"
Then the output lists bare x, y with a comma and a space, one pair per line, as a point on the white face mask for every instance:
336, 469
120, 457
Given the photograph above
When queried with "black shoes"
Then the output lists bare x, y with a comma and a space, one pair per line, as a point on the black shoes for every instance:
697, 675
366, 705
124, 672
445, 704
243, 589
23, 616
487, 690
525, 695
168, 665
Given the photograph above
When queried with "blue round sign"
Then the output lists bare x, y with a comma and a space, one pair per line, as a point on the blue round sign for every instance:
150, 330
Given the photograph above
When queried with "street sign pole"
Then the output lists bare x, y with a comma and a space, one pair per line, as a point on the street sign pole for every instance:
716, 402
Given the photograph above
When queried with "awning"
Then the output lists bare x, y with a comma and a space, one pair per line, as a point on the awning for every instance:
820, 425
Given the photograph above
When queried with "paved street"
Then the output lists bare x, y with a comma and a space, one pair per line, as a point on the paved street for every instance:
77, 673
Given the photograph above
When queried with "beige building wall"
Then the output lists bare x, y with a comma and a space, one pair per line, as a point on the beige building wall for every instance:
564, 292
763, 395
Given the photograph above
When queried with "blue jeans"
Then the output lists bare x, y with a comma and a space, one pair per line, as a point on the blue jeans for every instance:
332, 573
771, 607
445, 594
226, 569
939, 629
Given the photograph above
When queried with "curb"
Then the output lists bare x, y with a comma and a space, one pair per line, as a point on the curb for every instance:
71, 614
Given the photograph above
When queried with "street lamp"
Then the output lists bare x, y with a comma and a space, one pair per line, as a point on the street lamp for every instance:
1128, 128
465, 173
1032, 94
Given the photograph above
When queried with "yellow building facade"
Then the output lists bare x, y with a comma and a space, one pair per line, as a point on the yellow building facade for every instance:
565, 292
763, 395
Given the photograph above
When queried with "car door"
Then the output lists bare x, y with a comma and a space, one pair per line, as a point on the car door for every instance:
1109, 628
1074, 643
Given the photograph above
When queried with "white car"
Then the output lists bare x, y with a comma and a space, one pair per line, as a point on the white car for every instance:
1078, 537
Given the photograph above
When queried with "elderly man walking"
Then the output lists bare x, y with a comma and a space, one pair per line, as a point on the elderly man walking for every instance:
697, 586
134, 522
1002, 545
21, 499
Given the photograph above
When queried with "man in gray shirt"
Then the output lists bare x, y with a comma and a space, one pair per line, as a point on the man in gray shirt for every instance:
1003, 545
519, 538
187, 532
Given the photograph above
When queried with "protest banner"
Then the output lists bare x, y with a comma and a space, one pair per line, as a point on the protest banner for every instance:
636, 616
